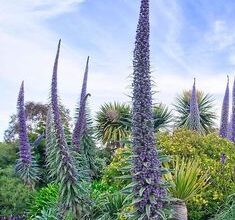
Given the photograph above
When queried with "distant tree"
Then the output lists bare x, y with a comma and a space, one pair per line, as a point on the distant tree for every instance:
113, 124
162, 117
36, 114
205, 105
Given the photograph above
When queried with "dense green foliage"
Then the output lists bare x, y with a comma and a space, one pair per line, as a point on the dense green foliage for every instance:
227, 212
187, 178
8, 154
15, 197
208, 150
44, 199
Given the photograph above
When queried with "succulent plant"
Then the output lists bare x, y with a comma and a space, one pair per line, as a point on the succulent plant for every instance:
194, 115
26, 166
81, 119
149, 191
72, 192
224, 124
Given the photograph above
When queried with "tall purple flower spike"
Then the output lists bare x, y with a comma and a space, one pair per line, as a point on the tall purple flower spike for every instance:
232, 131
225, 113
25, 148
64, 151
147, 168
194, 115
81, 120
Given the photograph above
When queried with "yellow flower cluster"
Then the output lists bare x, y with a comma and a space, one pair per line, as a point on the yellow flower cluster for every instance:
198, 199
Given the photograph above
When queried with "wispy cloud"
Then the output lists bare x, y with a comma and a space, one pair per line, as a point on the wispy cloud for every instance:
188, 39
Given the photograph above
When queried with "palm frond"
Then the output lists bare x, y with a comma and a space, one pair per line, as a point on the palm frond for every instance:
205, 104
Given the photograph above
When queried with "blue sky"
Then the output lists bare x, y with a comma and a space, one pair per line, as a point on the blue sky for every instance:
188, 39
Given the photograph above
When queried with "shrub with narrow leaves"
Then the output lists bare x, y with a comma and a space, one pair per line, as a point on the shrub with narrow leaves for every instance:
148, 190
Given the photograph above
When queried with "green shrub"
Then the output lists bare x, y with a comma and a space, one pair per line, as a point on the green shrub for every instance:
109, 206
15, 197
100, 187
208, 149
8, 154
228, 210
44, 200
113, 171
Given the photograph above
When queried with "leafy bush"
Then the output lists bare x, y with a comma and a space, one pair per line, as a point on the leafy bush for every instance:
47, 214
15, 197
228, 210
8, 154
113, 171
100, 187
208, 149
44, 200
109, 206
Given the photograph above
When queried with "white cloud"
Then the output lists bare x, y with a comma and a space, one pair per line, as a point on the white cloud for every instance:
27, 50
221, 35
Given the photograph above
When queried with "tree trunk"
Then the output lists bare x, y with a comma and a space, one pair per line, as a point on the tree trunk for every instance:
179, 210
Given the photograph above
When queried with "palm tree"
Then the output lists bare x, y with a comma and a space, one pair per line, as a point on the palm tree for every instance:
113, 124
162, 117
205, 105
187, 180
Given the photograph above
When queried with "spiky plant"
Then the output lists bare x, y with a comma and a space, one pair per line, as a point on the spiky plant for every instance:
232, 122
109, 206
83, 134
149, 191
88, 148
225, 113
187, 180
227, 212
194, 115
26, 166
113, 124
72, 192
51, 146
205, 106
162, 117
80, 124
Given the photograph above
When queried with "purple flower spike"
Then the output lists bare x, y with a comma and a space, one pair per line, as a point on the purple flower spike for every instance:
225, 114
194, 115
232, 127
25, 149
147, 168
81, 120
223, 158
64, 151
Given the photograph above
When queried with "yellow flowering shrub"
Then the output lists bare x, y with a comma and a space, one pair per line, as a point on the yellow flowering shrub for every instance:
208, 149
